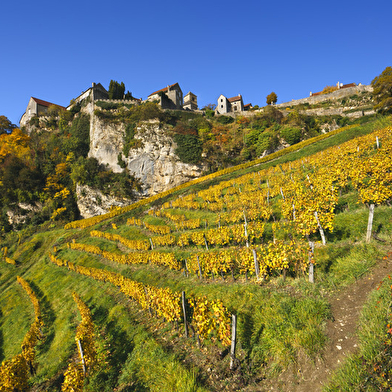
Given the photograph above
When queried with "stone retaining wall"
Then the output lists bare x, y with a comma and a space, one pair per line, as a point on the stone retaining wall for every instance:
338, 94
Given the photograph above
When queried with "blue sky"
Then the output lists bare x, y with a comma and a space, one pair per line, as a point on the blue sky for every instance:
54, 50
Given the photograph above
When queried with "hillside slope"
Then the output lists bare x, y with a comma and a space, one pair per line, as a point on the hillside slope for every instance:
236, 242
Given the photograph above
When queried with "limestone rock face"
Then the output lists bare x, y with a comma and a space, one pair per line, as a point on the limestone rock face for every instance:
22, 212
92, 202
106, 142
154, 163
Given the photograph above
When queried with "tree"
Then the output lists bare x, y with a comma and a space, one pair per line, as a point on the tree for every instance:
116, 90
6, 125
329, 89
382, 90
272, 98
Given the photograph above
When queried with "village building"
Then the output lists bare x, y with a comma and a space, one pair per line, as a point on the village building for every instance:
229, 105
36, 107
96, 91
169, 97
190, 102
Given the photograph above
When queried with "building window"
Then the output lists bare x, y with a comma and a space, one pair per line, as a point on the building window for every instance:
221, 106
221, 99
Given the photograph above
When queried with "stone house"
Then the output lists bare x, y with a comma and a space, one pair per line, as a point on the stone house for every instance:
190, 102
96, 91
229, 105
36, 107
169, 97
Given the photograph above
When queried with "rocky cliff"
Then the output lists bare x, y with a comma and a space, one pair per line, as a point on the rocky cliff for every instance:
154, 162
92, 202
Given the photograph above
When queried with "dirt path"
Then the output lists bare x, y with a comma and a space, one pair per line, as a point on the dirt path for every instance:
341, 331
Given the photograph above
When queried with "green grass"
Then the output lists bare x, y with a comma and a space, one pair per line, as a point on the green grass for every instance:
280, 320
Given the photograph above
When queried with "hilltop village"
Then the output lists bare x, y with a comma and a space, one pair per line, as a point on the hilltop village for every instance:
171, 97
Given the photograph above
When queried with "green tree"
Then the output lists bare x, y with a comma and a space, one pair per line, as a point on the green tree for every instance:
6, 125
291, 135
189, 148
272, 98
116, 90
382, 90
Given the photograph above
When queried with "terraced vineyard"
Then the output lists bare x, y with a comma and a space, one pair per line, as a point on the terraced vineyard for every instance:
157, 283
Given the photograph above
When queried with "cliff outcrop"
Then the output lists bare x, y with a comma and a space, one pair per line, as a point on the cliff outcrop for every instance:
92, 202
154, 162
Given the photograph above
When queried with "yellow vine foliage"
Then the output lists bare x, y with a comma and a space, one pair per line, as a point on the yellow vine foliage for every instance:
14, 373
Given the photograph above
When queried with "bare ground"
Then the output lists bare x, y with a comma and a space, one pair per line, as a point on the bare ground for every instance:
341, 332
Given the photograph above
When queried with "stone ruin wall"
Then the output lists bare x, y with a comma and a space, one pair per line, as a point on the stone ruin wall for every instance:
335, 95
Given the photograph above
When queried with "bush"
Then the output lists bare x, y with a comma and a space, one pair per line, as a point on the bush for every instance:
129, 140
225, 120
291, 135
80, 135
252, 137
189, 148
264, 142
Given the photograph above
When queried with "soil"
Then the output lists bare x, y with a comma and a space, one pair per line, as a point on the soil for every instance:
341, 332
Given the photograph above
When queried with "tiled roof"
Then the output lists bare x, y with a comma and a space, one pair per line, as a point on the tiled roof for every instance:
162, 90
234, 99
45, 103
348, 85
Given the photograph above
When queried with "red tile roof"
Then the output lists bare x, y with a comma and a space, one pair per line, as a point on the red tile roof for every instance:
162, 90
348, 85
234, 99
45, 103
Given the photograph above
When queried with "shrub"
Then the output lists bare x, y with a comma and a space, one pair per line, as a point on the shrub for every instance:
225, 120
189, 148
129, 140
291, 135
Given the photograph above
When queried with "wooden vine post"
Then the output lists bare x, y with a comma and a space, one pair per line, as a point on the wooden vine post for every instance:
311, 265
233, 340
186, 268
370, 223
321, 230
257, 269
184, 313
148, 300
82, 356
205, 241
246, 230
198, 263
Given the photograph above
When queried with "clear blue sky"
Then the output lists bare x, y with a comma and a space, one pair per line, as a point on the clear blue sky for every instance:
54, 50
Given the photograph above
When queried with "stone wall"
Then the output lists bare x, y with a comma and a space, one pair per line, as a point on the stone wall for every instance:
123, 101
338, 94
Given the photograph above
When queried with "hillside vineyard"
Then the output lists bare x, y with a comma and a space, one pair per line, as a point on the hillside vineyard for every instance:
254, 227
